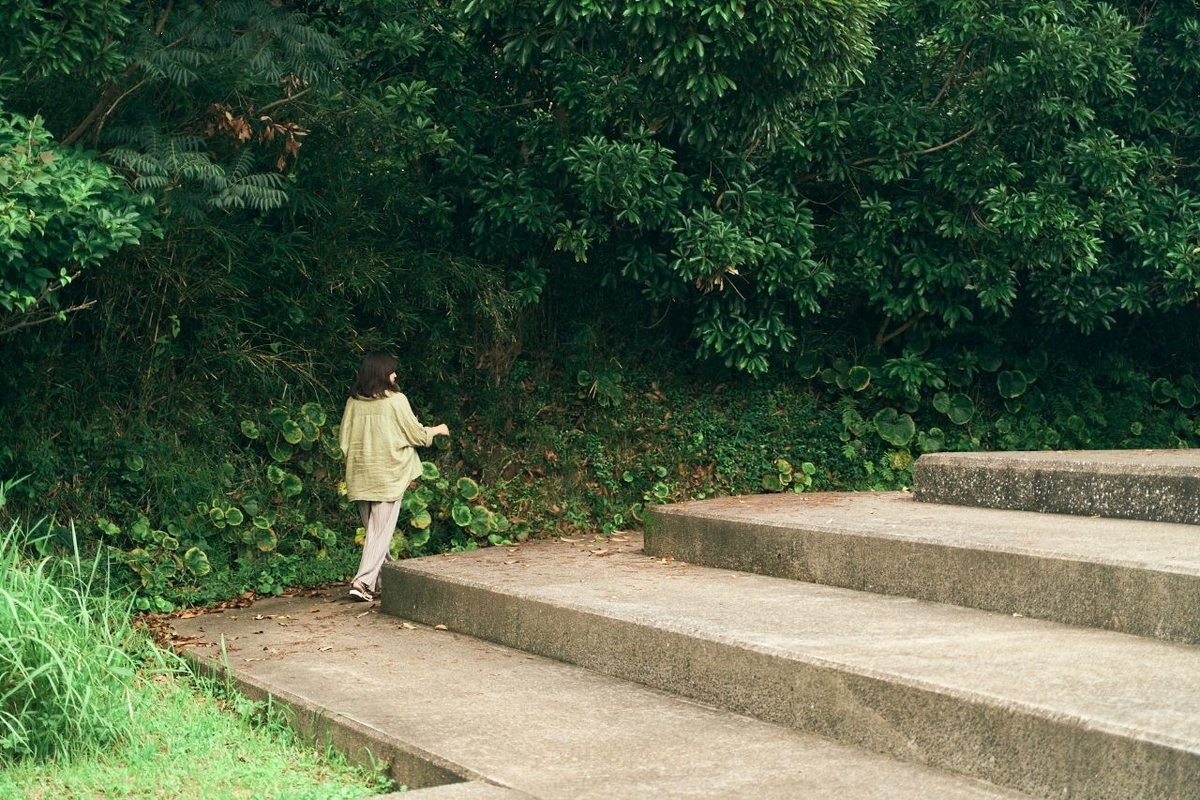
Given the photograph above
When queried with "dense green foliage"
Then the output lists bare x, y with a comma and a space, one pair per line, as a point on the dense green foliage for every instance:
69, 653
631, 252
87, 703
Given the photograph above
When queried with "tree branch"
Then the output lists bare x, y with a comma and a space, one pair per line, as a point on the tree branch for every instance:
28, 319
109, 99
283, 100
925, 152
884, 336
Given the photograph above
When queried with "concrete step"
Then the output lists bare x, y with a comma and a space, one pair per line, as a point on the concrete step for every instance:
456, 717
1132, 576
1037, 706
1155, 485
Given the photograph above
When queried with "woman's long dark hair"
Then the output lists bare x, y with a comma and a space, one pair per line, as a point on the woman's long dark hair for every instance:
375, 376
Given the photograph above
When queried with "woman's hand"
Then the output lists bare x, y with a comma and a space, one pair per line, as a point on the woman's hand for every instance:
441, 430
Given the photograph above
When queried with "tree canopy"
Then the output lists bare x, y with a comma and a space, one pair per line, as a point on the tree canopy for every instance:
952, 223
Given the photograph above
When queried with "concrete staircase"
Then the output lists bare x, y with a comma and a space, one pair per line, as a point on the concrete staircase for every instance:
1019, 624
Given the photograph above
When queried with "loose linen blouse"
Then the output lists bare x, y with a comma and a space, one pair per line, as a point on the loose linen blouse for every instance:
377, 436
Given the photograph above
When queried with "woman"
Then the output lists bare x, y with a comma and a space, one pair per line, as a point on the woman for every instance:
378, 433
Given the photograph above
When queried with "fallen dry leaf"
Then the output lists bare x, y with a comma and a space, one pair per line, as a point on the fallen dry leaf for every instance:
440, 628
408, 626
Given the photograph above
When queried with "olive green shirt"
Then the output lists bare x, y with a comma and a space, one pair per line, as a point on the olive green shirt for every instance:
377, 436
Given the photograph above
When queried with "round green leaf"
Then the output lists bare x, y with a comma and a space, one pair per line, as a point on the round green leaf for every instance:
808, 365
990, 359
895, 428
265, 540
309, 431
280, 451
932, 440
1162, 391
481, 521
313, 413
233, 516
291, 432
429, 471
772, 483
858, 378
961, 409
466, 488
134, 462
275, 473
941, 402
250, 430
420, 538
291, 485
1011, 383
196, 561
421, 519
1038, 361
461, 515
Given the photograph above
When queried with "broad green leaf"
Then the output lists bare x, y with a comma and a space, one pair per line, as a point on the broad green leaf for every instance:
1011, 383
466, 488
858, 378
291, 485
313, 413
196, 561
961, 409
291, 432
265, 540
895, 428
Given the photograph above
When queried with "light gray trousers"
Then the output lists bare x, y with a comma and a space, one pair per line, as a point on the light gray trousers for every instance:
379, 519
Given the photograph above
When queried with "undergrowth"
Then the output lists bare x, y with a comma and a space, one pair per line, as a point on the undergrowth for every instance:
89, 707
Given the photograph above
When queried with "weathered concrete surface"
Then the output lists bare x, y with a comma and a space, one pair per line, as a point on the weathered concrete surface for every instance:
1047, 709
439, 706
468, 790
1156, 485
1132, 576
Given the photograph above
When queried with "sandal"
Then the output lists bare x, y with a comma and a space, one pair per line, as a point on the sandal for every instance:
360, 593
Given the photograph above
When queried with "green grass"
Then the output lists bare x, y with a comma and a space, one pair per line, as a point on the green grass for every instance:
189, 742
89, 707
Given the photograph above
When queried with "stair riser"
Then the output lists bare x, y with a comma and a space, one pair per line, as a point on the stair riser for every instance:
1095, 595
1118, 495
1044, 755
